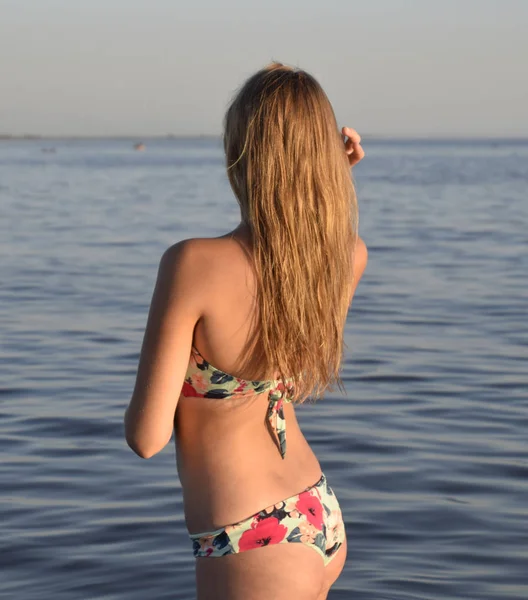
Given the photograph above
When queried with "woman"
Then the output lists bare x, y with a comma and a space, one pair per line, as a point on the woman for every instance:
266, 305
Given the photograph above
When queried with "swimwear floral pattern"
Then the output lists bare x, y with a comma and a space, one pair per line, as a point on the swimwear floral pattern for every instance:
312, 517
202, 380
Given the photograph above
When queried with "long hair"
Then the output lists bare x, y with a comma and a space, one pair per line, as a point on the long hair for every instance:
288, 168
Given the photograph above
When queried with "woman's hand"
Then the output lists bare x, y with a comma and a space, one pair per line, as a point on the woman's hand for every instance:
352, 145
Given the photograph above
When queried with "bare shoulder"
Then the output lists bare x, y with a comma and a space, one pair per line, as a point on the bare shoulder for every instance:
199, 261
185, 250
190, 252
182, 265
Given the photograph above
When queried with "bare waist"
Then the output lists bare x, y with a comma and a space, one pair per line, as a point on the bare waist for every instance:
230, 471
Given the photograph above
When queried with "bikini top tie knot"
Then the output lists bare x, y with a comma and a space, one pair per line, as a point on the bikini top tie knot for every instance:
277, 396
203, 380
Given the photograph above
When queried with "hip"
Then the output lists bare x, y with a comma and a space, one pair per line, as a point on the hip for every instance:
311, 517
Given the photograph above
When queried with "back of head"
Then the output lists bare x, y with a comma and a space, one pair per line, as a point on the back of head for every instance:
288, 169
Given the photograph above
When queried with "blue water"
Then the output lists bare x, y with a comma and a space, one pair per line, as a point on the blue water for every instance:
427, 452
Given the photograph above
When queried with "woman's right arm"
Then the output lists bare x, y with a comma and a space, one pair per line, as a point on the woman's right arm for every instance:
355, 153
359, 264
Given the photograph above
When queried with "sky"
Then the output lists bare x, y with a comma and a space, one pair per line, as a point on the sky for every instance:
391, 68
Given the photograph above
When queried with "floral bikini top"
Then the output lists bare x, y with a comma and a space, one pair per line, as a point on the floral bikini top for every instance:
202, 380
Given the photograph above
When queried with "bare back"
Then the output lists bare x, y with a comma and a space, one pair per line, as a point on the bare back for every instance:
228, 462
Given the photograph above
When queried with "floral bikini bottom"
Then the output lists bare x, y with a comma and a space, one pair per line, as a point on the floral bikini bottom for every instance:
312, 517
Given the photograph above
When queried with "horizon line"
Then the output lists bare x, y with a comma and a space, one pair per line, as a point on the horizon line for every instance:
139, 137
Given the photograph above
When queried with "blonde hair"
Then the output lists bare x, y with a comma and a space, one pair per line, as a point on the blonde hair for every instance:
288, 168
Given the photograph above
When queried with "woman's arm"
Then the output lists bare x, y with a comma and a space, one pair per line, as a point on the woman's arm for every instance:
174, 312
355, 154
359, 264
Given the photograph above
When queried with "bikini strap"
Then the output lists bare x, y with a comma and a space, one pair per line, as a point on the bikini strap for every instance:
277, 396
196, 351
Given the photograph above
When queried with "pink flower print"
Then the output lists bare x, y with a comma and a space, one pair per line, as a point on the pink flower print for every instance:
308, 533
290, 391
200, 383
206, 545
262, 533
311, 507
241, 386
189, 391
290, 507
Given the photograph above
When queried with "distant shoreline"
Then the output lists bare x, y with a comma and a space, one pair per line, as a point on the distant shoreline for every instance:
142, 138
34, 137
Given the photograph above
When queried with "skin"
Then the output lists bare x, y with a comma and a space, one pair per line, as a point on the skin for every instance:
204, 296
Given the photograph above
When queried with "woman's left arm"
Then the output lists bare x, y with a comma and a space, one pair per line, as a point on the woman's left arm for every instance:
174, 312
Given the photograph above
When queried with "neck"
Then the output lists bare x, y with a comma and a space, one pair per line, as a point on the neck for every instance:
241, 233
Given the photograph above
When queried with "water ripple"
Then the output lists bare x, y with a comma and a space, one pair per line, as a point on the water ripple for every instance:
426, 451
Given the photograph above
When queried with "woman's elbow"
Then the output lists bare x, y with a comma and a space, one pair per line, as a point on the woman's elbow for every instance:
144, 437
145, 446
141, 449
